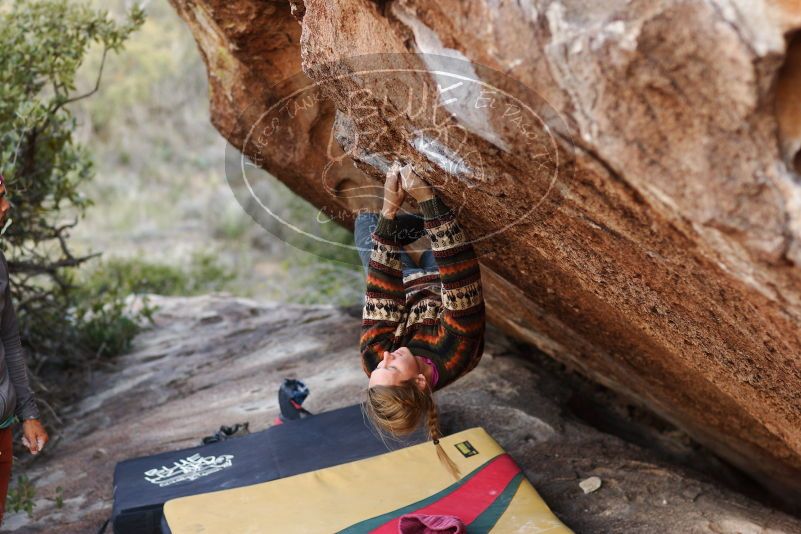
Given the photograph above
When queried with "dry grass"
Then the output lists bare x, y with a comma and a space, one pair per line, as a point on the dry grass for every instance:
160, 193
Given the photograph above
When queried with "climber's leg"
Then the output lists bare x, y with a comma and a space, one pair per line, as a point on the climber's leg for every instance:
427, 261
408, 263
363, 229
422, 255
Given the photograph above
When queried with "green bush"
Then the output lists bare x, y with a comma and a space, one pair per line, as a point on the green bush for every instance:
316, 281
122, 277
42, 45
107, 324
108, 318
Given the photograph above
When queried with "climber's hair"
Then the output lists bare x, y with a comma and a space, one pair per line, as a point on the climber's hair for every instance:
398, 410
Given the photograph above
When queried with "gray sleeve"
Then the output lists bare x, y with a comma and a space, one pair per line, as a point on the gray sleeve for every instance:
15, 358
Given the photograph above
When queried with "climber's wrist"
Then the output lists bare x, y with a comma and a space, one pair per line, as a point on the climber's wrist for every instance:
422, 194
390, 208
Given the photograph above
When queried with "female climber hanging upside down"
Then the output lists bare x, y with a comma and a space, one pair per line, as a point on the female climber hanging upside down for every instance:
422, 325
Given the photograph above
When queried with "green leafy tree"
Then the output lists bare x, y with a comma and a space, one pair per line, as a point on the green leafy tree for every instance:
42, 45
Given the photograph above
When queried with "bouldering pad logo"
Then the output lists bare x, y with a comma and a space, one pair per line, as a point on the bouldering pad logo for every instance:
466, 448
188, 469
492, 148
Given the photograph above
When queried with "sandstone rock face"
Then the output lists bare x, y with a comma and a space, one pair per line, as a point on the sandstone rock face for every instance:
631, 170
218, 360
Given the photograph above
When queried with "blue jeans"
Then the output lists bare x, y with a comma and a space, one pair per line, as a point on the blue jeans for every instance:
363, 230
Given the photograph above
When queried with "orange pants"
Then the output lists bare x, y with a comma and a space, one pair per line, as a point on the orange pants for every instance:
6, 456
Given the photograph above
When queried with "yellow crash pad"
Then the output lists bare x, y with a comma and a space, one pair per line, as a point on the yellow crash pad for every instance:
370, 495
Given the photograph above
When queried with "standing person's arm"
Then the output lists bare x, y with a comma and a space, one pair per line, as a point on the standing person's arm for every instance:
384, 299
26, 409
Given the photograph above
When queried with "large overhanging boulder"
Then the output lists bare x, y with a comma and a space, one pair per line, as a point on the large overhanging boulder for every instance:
629, 171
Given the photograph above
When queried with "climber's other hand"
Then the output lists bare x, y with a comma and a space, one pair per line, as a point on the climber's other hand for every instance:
414, 185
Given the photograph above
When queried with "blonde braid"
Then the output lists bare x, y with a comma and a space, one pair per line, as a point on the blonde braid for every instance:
435, 434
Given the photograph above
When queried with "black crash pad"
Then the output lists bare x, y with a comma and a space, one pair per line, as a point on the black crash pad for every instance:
143, 485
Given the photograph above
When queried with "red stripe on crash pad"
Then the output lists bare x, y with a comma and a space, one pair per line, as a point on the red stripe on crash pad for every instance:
470, 499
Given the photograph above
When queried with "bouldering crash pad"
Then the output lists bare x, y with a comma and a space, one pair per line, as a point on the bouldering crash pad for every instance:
370, 495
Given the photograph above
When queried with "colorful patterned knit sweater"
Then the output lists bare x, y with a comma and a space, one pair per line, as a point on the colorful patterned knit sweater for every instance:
439, 315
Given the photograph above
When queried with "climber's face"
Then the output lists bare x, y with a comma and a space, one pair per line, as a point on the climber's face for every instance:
394, 368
